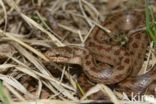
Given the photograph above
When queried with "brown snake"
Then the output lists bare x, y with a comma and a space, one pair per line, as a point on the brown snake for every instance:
117, 62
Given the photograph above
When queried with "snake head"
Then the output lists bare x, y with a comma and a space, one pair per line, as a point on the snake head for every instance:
64, 55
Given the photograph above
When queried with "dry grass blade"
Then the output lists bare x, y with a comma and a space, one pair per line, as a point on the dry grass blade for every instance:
45, 101
42, 69
150, 99
4, 67
68, 28
11, 36
105, 90
84, 14
92, 10
54, 80
27, 71
111, 95
15, 92
35, 24
91, 91
13, 82
5, 13
53, 38
57, 4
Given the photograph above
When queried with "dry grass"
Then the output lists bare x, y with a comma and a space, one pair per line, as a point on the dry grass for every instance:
32, 26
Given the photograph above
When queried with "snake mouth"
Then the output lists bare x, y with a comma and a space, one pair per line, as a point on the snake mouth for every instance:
58, 59
65, 59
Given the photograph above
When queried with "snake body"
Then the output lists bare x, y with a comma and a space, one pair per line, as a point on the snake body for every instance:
117, 63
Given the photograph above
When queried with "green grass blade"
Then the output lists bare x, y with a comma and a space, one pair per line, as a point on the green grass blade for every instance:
150, 19
147, 13
3, 98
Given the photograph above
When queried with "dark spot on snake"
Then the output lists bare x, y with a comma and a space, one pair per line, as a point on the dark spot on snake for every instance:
118, 76
98, 47
108, 49
120, 58
115, 60
84, 53
108, 57
126, 54
127, 60
143, 46
139, 55
135, 45
137, 36
117, 52
131, 52
94, 69
88, 43
120, 67
87, 56
135, 63
96, 30
106, 23
88, 62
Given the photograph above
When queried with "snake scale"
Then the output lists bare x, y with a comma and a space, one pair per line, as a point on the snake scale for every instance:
105, 61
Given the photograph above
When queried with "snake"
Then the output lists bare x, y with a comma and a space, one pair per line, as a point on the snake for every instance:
107, 61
